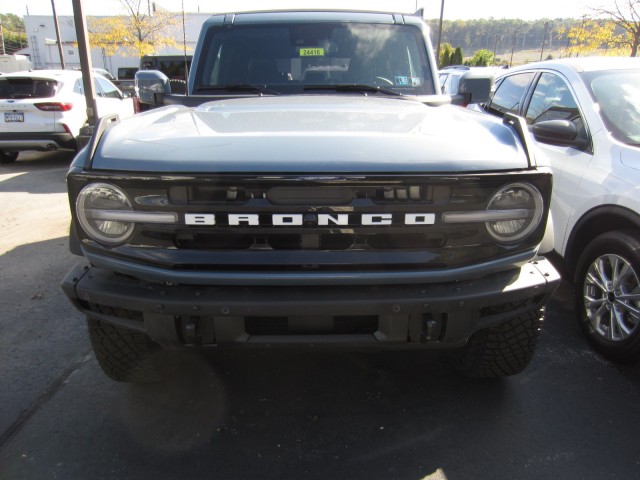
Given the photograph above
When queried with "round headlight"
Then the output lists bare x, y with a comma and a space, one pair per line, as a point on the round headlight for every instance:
517, 209
99, 207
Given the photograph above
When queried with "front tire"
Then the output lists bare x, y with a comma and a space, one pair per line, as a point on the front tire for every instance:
504, 349
607, 287
7, 156
123, 355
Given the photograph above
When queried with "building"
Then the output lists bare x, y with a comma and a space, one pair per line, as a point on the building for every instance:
43, 45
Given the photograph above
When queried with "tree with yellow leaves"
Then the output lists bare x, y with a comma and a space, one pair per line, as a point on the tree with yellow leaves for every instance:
143, 29
616, 28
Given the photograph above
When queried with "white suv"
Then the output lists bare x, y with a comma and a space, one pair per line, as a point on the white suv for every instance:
45, 109
585, 116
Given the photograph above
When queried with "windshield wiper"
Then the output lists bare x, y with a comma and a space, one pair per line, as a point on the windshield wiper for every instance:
244, 87
353, 87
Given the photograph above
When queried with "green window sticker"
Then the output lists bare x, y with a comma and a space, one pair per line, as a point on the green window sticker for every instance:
312, 52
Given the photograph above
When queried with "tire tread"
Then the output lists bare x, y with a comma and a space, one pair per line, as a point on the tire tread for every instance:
504, 349
123, 355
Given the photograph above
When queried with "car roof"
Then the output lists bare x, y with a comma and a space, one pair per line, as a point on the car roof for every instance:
585, 64
313, 15
49, 74
65, 76
456, 67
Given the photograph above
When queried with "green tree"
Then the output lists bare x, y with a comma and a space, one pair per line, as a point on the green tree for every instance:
141, 30
457, 58
15, 37
482, 58
446, 51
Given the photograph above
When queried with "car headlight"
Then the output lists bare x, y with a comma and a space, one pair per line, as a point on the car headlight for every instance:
102, 212
514, 211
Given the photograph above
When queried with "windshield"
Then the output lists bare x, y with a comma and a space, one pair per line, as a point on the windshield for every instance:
286, 58
618, 95
24, 87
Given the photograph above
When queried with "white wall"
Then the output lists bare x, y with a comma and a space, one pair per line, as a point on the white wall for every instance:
43, 47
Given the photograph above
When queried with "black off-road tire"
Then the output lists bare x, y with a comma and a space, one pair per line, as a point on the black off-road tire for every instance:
504, 349
123, 355
625, 246
8, 157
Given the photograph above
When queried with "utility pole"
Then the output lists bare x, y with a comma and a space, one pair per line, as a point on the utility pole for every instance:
544, 37
85, 61
2, 37
495, 48
513, 46
55, 22
184, 46
440, 33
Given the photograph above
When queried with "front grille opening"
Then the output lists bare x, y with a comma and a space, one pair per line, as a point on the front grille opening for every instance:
405, 241
212, 241
283, 242
336, 241
312, 325
207, 194
316, 195
310, 241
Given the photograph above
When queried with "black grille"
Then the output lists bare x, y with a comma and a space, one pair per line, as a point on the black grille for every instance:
330, 232
309, 195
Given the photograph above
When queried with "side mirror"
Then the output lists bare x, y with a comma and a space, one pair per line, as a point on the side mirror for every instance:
126, 95
150, 82
474, 87
558, 132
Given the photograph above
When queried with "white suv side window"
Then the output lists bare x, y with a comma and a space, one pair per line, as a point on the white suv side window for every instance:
510, 94
552, 99
108, 89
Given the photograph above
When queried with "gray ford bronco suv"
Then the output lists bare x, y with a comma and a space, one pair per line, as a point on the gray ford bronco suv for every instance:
313, 188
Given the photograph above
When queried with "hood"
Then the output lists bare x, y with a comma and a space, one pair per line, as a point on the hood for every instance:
310, 134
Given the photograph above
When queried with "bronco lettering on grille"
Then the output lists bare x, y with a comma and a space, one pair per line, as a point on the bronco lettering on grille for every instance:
299, 219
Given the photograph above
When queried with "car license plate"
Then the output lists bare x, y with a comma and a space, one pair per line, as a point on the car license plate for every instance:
14, 117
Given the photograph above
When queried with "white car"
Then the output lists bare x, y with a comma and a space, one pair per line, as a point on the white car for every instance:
45, 109
450, 78
584, 114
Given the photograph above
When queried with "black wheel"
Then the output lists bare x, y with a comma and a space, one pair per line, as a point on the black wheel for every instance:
607, 286
7, 156
504, 349
123, 355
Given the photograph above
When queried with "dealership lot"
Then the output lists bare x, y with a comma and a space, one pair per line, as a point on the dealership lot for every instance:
246, 414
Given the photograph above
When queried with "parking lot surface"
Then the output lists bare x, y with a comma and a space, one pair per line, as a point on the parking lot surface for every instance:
281, 414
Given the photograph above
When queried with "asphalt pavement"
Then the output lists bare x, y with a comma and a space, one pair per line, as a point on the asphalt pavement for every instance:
245, 414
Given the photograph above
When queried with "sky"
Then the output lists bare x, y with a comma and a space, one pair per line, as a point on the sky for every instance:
453, 9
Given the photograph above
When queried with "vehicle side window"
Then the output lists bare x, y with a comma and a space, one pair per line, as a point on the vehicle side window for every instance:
510, 93
453, 86
551, 100
443, 81
109, 90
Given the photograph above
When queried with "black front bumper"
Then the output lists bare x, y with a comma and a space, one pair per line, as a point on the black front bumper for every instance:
435, 315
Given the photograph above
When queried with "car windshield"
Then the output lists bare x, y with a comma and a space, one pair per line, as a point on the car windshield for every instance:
291, 58
618, 95
24, 87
